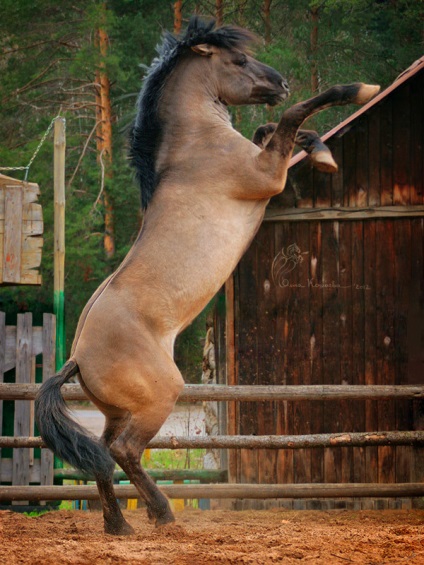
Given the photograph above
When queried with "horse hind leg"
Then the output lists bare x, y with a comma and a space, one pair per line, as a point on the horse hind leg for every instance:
127, 451
114, 521
149, 402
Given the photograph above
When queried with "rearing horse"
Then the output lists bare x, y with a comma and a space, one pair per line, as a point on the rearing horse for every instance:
203, 184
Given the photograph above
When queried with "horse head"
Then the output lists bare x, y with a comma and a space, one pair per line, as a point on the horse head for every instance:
240, 78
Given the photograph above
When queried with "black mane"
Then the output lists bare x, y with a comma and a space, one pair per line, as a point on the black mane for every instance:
145, 134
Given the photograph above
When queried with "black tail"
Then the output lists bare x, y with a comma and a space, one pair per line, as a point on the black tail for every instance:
65, 437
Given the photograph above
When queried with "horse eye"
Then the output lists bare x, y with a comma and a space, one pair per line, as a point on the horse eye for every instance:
242, 62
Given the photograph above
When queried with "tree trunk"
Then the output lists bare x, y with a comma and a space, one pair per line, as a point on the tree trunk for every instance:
219, 12
314, 49
267, 21
104, 140
178, 16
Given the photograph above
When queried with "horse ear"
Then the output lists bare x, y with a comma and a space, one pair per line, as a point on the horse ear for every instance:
204, 49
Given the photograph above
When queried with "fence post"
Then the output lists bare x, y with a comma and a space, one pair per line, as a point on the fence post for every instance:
59, 238
49, 356
22, 425
2, 363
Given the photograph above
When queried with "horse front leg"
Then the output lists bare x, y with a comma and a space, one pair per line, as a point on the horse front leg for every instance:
308, 140
278, 151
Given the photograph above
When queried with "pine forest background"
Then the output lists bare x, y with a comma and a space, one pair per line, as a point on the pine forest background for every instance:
85, 60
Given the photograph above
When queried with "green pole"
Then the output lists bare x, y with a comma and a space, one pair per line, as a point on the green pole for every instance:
59, 239
59, 246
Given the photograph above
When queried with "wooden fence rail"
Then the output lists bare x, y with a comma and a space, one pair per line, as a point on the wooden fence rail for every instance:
193, 393
356, 439
90, 492
245, 393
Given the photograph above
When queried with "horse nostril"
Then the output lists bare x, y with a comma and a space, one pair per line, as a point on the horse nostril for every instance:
285, 85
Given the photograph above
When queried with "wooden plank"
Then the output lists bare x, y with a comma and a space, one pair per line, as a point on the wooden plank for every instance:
331, 334
247, 356
32, 188
359, 289
231, 377
1, 255
301, 344
21, 457
246, 393
370, 344
403, 295
343, 213
386, 152
337, 186
385, 339
6, 471
266, 301
349, 168
374, 140
28, 227
2, 365
284, 470
12, 235
416, 125
252, 442
49, 364
37, 345
316, 343
360, 198
346, 297
90, 492
402, 150
30, 211
32, 278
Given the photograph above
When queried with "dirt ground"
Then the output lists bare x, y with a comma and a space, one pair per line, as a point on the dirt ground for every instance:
198, 538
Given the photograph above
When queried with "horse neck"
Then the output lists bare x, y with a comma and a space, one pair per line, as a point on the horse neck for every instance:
189, 104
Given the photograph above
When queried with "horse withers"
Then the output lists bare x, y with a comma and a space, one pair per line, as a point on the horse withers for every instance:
202, 184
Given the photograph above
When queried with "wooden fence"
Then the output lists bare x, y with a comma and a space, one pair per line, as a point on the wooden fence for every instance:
25, 392
20, 347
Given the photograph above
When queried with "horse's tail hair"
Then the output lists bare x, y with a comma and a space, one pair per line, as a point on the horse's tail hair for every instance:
65, 437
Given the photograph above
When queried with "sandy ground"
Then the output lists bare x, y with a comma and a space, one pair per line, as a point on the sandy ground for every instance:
218, 536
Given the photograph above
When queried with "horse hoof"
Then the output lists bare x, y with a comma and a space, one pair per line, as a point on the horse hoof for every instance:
123, 529
366, 92
324, 162
164, 520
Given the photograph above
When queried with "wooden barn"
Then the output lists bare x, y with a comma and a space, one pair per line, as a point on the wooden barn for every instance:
331, 291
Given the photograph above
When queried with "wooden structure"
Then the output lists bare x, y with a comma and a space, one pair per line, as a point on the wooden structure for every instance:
20, 346
21, 228
331, 292
258, 493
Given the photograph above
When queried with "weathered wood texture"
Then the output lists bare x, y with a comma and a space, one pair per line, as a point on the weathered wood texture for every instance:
21, 226
219, 491
251, 442
337, 297
244, 393
19, 347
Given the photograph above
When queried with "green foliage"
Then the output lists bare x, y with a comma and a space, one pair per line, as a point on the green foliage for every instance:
173, 459
48, 61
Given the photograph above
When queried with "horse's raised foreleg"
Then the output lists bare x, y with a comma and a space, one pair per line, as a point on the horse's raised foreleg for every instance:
276, 155
308, 140
283, 139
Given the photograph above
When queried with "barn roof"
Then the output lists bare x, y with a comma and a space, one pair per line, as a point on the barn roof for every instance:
417, 66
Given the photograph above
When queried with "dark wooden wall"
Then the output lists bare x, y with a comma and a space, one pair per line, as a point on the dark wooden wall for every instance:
345, 306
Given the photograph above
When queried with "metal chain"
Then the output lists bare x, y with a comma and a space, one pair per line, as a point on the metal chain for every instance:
43, 139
